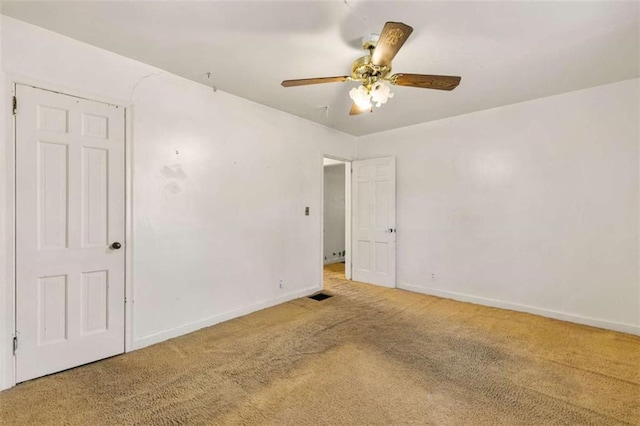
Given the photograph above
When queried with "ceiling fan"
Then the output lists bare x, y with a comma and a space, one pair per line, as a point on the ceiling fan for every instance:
373, 71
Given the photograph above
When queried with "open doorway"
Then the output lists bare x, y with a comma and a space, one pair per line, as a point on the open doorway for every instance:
336, 227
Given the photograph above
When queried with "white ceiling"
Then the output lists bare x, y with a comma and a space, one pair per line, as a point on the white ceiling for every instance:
506, 52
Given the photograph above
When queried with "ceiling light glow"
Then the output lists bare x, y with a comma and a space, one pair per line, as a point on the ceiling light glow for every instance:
361, 97
376, 94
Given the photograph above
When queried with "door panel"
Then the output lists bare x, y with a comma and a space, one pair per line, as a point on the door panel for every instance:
374, 219
52, 194
69, 209
95, 302
94, 197
52, 309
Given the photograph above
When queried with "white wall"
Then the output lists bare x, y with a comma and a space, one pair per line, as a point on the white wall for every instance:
334, 213
220, 223
532, 206
215, 225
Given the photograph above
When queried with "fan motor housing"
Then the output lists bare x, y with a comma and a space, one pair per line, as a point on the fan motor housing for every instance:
362, 69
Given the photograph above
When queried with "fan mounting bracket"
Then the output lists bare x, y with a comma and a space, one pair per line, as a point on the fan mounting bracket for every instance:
370, 41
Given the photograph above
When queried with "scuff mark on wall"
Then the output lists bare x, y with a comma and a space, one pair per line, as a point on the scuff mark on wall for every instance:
173, 171
172, 188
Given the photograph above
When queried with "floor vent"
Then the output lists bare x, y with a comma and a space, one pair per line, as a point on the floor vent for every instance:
320, 296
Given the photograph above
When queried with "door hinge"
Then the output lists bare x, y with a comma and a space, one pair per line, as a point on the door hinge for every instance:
15, 344
15, 105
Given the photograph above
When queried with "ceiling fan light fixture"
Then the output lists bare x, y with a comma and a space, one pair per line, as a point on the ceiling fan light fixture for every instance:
381, 92
373, 71
360, 96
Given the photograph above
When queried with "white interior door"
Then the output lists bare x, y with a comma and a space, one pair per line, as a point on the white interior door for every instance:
69, 213
374, 221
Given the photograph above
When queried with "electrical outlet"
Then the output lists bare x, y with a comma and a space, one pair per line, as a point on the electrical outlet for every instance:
281, 284
433, 276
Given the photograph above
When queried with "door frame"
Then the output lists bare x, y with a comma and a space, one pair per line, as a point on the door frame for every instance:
8, 306
347, 216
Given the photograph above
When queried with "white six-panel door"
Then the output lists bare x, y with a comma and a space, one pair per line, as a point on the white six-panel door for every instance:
69, 212
374, 221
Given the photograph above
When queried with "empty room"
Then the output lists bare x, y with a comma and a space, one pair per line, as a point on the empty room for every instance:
332, 212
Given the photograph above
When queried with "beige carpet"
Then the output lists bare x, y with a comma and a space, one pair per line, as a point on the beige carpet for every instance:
366, 356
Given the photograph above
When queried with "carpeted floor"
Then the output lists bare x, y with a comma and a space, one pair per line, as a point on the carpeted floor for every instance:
368, 355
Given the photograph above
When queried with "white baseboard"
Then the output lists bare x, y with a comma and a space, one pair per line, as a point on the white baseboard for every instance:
335, 260
216, 319
549, 313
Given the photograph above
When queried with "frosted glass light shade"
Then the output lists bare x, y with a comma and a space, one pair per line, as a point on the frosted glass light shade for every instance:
360, 96
381, 92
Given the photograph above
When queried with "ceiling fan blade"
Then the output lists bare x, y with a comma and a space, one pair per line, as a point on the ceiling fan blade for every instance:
355, 109
440, 82
306, 81
393, 36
